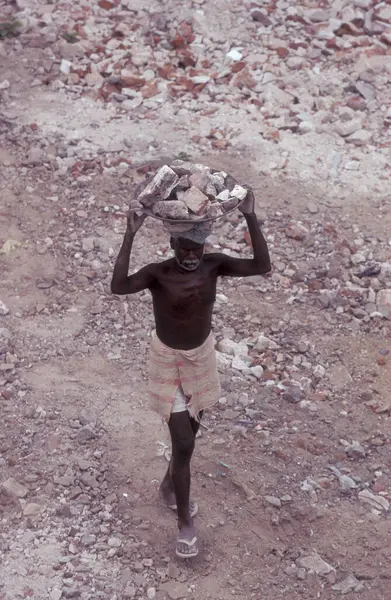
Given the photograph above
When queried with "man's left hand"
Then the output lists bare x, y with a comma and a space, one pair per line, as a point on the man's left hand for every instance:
248, 205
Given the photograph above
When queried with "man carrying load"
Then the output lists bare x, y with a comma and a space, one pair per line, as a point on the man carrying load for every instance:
183, 377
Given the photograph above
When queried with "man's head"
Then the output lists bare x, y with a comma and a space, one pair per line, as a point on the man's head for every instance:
188, 254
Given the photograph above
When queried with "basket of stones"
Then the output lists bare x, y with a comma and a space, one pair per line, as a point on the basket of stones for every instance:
184, 192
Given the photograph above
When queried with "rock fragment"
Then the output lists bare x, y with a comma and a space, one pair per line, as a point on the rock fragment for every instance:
195, 201
315, 564
32, 510
377, 502
160, 187
4, 310
171, 209
383, 302
350, 584
14, 488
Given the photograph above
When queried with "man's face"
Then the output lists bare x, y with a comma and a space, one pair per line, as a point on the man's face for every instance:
187, 253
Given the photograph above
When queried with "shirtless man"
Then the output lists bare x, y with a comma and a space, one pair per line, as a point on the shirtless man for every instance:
183, 290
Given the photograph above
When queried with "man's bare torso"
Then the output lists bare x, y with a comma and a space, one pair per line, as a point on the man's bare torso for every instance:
183, 302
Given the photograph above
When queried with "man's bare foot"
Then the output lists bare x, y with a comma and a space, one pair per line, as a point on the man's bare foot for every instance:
187, 543
167, 493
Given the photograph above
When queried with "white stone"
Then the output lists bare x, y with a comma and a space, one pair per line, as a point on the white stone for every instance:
264, 343
239, 365
345, 128
317, 15
231, 348
383, 302
378, 502
314, 563
223, 196
65, 66
4, 310
239, 192
234, 54
55, 594
275, 95
360, 137
257, 371
223, 362
319, 371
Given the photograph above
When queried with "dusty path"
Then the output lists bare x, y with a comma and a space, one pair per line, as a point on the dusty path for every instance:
288, 468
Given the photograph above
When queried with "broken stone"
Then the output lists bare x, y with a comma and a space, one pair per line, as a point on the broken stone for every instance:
88, 539
32, 510
314, 563
14, 488
195, 200
239, 192
378, 502
89, 480
383, 303
318, 15
174, 590
360, 137
350, 584
264, 343
171, 209
65, 66
234, 54
345, 128
114, 542
183, 183
384, 13
260, 17
182, 167
366, 90
214, 210
55, 594
355, 450
218, 181
35, 157
160, 187
4, 310
275, 95
200, 180
273, 501
87, 245
85, 434
223, 196
257, 371
339, 376
231, 348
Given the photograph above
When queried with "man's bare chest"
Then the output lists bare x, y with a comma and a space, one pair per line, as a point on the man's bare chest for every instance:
187, 292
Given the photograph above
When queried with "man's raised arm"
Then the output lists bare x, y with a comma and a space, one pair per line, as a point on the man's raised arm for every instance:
260, 263
121, 282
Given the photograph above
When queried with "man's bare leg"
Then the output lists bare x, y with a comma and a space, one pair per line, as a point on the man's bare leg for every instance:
183, 431
167, 489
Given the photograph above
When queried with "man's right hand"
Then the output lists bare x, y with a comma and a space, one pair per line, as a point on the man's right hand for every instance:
135, 221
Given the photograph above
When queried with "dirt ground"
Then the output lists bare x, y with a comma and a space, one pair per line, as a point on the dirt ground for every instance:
75, 430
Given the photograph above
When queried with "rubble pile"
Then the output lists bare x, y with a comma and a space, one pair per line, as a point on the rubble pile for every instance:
188, 191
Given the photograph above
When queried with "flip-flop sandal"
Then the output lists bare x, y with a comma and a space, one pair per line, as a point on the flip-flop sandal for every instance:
192, 543
193, 508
